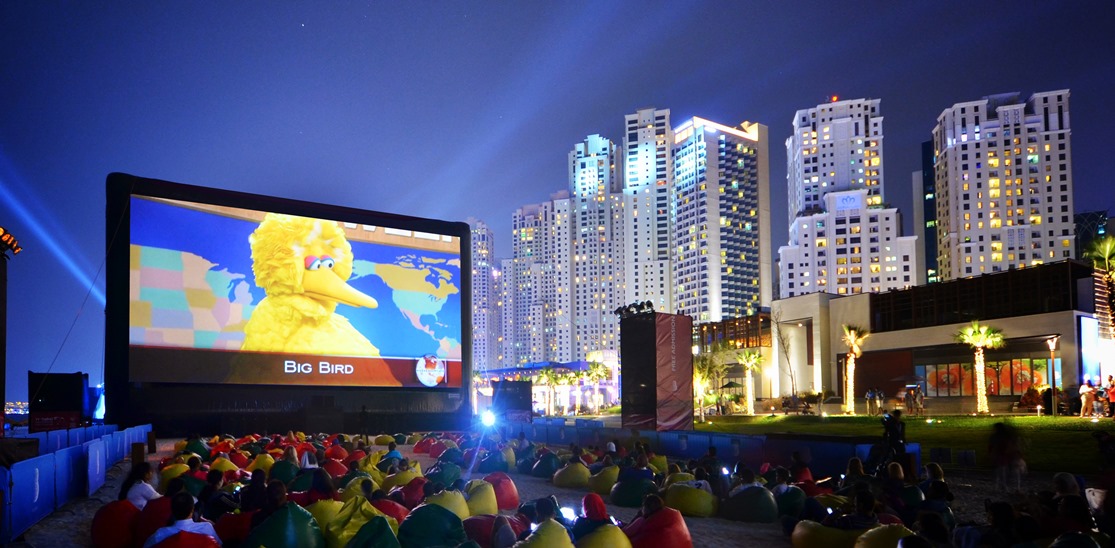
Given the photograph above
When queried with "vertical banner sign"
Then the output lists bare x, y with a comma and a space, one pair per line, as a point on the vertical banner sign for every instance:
675, 372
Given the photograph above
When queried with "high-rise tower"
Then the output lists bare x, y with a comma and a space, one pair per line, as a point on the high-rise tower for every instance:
484, 295
647, 233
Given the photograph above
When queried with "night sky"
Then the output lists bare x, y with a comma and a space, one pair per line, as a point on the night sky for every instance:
458, 109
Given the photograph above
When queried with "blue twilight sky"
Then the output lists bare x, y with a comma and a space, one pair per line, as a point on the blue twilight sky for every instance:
455, 109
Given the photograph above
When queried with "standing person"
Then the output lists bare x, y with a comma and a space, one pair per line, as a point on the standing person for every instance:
919, 401
1005, 449
880, 401
1099, 406
869, 398
1087, 396
894, 432
908, 401
365, 422
1110, 398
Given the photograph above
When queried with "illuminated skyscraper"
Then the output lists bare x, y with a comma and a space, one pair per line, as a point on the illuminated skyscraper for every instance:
485, 323
721, 202
542, 301
505, 281
648, 168
1004, 183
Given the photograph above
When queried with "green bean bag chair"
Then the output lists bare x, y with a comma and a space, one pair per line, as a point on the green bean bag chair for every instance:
691, 501
283, 470
400, 439
452, 454
376, 533
605, 536
431, 525
445, 473
882, 536
481, 498
198, 447
754, 504
413, 439
193, 485
573, 475
810, 534
525, 465
601, 482
383, 439
790, 502
350, 519
492, 461
629, 494
290, 525
546, 466
453, 501
678, 476
302, 482
324, 511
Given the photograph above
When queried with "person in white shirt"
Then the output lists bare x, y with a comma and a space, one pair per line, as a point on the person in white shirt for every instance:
700, 481
746, 480
182, 509
136, 488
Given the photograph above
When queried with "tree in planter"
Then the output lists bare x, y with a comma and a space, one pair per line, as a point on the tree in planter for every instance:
749, 360
980, 337
784, 346
709, 370
853, 338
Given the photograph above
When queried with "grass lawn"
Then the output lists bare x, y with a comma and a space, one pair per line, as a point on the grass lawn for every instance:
1050, 445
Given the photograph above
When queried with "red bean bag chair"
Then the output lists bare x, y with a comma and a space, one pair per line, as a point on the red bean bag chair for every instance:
413, 493
335, 468
239, 459
479, 528
245, 440
155, 514
391, 509
186, 539
812, 489
469, 458
665, 527
223, 447
507, 495
424, 445
234, 528
114, 524
305, 447
336, 452
437, 449
355, 455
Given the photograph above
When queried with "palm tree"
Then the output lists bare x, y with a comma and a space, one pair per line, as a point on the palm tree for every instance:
709, 368
567, 379
595, 374
979, 337
1102, 253
547, 377
749, 360
854, 336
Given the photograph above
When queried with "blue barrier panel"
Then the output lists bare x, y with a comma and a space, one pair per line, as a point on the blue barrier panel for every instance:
69, 474
89, 433
697, 445
669, 443
586, 437
110, 449
120, 447
76, 436
95, 465
555, 435
55, 440
6, 535
110, 428
32, 496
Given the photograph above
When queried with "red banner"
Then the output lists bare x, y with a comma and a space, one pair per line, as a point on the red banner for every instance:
674, 357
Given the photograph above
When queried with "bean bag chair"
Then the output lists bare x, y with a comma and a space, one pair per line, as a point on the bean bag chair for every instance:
453, 501
546, 466
223, 464
154, 515
492, 461
444, 473
883, 536
262, 461
452, 441
383, 439
413, 439
470, 457
507, 495
691, 501
549, 534
114, 525
354, 455
198, 447
346, 480
605, 536
911, 496
678, 476
809, 534
171, 472
223, 447
193, 484
423, 445
391, 509
754, 504
601, 482
234, 528
284, 471
180, 446
324, 511
290, 525
629, 494
186, 539
375, 533
573, 475
412, 492
525, 465
431, 525
479, 528
352, 488
659, 463
400, 439
832, 501
302, 482
239, 458
665, 527
336, 452
350, 519
790, 502
481, 498
334, 468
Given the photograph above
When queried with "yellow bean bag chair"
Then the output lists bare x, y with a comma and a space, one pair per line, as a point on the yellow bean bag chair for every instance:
835, 502
549, 534
263, 461
449, 444
659, 463
572, 475
509, 456
350, 518
223, 464
882, 536
413, 439
605, 536
481, 498
171, 472
180, 446
678, 476
601, 482
810, 534
691, 501
352, 488
383, 439
324, 511
397, 479
453, 501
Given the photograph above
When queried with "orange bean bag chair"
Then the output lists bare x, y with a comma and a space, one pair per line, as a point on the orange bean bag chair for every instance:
665, 527
336, 452
155, 514
507, 495
114, 524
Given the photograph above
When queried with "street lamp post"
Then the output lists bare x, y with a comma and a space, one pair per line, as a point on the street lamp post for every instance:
1052, 344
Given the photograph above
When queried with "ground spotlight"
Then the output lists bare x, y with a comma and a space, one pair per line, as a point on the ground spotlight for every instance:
487, 418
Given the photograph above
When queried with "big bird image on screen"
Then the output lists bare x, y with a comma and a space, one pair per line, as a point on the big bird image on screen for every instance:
303, 265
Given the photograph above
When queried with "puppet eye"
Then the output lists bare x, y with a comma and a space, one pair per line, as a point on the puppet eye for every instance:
312, 263
327, 262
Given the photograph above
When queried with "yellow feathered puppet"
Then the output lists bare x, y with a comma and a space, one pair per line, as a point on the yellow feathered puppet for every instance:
303, 264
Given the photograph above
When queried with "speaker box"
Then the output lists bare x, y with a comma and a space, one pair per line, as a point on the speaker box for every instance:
657, 371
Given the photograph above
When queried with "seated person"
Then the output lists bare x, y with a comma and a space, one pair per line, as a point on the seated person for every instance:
745, 479
392, 452
212, 501
853, 475
182, 511
603, 463
195, 470
933, 472
276, 498
781, 482
321, 488
524, 448
594, 514
863, 518
136, 488
640, 471
700, 481
545, 522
